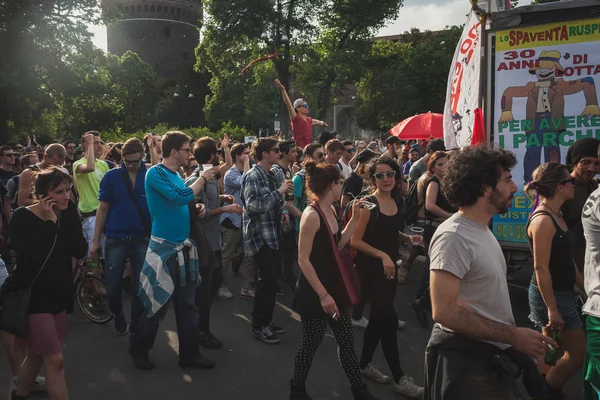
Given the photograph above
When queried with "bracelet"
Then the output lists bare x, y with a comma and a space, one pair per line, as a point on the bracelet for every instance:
322, 297
205, 181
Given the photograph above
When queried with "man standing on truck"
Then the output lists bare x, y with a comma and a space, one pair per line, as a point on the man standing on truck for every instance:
546, 107
301, 122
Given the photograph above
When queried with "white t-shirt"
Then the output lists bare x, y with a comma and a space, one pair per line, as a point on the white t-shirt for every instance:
590, 217
470, 251
346, 169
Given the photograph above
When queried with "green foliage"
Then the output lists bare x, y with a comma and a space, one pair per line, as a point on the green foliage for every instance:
405, 78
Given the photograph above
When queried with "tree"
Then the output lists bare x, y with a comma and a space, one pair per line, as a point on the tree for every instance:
406, 77
35, 38
327, 40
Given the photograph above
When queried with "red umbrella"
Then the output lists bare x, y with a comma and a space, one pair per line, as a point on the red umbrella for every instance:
421, 126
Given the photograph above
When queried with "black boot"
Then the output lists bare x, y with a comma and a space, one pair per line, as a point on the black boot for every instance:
362, 393
298, 392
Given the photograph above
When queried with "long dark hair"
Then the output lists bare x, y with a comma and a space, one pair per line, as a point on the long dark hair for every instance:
398, 190
319, 177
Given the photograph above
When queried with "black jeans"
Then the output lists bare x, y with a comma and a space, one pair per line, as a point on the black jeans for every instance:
186, 315
205, 293
268, 264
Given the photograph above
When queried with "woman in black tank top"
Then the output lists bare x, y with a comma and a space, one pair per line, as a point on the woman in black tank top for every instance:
377, 240
321, 298
551, 300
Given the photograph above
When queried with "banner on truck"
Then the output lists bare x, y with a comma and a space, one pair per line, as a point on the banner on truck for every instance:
545, 98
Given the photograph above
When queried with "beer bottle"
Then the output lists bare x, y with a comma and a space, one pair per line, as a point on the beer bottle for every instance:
552, 356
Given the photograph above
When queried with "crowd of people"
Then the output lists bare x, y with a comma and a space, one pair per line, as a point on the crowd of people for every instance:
178, 217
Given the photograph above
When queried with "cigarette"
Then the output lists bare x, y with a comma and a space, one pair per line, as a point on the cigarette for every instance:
334, 315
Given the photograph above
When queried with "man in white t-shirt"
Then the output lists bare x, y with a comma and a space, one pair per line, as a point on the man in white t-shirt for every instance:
470, 300
347, 159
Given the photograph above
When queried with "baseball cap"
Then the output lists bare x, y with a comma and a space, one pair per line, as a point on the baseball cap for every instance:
298, 103
325, 137
365, 156
436, 145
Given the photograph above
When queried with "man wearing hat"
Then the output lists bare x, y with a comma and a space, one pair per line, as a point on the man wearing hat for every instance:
582, 159
301, 122
546, 102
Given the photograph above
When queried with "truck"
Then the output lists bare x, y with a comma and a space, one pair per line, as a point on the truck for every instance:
541, 66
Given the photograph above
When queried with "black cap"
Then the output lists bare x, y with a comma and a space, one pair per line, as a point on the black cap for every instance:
586, 147
365, 156
325, 137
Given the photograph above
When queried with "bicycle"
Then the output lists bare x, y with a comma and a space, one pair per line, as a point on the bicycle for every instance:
90, 293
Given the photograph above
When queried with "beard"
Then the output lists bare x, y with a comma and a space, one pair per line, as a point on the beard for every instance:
501, 203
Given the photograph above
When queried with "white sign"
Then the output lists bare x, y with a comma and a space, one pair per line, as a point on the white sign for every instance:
277, 125
249, 139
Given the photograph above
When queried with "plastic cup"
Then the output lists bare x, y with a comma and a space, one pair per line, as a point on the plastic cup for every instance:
416, 231
207, 166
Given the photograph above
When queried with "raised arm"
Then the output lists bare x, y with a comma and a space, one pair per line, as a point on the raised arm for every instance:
286, 99
90, 165
25, 188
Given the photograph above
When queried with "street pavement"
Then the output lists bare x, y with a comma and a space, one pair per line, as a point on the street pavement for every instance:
98, 366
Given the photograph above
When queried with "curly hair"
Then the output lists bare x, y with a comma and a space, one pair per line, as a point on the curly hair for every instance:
398, 191
49, 179
472, 169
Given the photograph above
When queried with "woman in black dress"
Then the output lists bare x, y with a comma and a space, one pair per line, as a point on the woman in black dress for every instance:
321, 298
45, 236
377, 239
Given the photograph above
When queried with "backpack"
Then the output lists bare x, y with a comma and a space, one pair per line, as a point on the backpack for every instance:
411, 206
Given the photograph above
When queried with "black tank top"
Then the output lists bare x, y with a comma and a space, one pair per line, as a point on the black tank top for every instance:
562, 268
440, 200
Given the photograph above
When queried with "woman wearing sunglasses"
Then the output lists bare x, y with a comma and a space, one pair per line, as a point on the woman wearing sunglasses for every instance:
376, 238
551, 301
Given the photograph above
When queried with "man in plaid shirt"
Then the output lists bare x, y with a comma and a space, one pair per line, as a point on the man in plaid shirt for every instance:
261, 223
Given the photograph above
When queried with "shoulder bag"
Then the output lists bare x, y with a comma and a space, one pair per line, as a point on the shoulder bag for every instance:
14, 305
135, 203
344, 262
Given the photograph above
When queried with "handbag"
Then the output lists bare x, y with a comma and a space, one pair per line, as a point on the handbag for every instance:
345, 263
135, 203
14, 305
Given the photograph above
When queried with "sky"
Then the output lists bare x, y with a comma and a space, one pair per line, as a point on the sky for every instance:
423, 14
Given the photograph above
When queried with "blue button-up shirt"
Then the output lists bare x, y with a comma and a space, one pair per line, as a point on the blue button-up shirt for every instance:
232, 183
123, 220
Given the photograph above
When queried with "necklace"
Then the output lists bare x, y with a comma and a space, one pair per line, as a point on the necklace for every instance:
556, 212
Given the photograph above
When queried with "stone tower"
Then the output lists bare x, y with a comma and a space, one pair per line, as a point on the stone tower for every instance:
164, 33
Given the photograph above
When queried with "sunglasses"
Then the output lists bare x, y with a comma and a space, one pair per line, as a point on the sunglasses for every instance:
319, 155
381, 175
305, 105
351, 151
10, 155
132, 162
572, 181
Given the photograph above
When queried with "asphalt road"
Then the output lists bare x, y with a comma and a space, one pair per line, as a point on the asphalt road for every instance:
98, 366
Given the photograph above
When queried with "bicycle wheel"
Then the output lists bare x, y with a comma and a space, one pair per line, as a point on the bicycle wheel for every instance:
92, 300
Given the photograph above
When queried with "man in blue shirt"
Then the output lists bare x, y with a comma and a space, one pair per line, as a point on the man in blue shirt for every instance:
170, 271
231, 223
127, 228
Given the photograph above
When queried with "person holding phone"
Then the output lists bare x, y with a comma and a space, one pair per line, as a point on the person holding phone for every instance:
45, 236
320, 296
377, 242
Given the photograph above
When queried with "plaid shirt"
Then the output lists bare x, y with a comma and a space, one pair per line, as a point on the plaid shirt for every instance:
260, 222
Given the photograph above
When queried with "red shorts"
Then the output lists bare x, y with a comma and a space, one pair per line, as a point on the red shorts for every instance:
46, 334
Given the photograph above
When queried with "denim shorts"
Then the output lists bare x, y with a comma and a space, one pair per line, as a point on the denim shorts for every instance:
3, 272
567, 307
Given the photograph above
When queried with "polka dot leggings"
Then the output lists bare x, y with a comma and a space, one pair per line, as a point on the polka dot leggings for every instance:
313, 330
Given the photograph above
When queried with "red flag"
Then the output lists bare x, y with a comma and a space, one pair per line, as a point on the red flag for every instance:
269, 57
478, 136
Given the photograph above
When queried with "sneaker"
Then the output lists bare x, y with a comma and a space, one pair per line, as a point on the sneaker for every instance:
121, 325
401, 324
224, 292
407, 387
247, 294
200, 363
265, 335
372, 372
208, 340
39, 385
360, 323
276, 329
402, 274
143, 363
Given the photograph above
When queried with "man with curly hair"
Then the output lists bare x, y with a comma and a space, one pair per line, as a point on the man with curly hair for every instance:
475, 333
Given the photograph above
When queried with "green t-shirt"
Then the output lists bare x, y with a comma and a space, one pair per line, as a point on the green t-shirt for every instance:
88, 185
